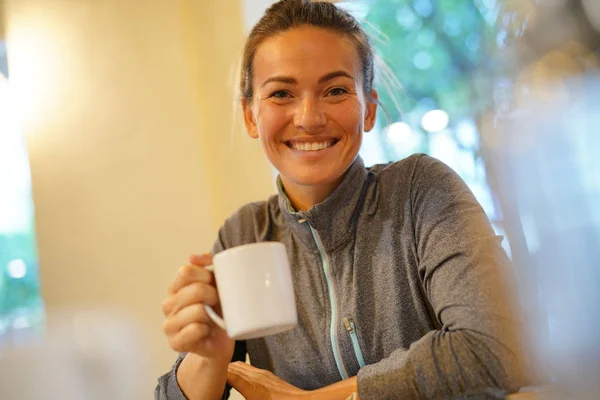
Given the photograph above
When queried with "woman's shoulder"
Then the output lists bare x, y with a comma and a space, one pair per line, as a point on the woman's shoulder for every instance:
400, 175
415, 170
399, 167
249, 224
423, 181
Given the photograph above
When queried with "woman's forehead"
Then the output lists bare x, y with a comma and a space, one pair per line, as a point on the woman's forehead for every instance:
305, 52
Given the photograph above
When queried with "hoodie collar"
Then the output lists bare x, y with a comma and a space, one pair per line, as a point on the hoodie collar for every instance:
334, 217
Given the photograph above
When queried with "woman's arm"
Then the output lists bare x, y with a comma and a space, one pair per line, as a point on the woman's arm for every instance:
202, 379
193, 377
466, 277
338, 391
257, 384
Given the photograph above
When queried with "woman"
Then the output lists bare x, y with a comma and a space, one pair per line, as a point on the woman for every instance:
400, 280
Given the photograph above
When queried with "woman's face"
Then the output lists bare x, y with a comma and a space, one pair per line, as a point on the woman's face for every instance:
309, 110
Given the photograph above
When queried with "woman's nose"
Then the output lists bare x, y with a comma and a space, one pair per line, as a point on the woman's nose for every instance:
309, 115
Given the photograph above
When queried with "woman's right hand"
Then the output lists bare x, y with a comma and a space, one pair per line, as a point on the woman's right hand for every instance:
187, 325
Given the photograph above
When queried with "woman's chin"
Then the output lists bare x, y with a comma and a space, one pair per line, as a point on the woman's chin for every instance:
312, 175
318, 179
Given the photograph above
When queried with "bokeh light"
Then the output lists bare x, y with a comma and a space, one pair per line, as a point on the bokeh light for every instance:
435, 121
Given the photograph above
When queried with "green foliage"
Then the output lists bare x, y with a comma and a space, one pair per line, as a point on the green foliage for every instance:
22, 292
436, 49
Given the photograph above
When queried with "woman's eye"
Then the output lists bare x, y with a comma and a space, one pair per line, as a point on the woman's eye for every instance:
338, 92
280, 94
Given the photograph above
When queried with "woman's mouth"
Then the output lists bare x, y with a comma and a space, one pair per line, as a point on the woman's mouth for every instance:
312, 146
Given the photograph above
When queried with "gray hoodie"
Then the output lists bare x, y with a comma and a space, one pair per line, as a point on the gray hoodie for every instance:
399, 279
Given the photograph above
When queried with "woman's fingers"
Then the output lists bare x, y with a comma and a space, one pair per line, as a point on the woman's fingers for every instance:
240, 381
194, 293
192, 314
187, 325
189, 274
186, 339
249, 371
242, 368
201, 260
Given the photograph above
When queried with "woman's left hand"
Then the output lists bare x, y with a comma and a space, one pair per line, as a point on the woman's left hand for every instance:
258, 384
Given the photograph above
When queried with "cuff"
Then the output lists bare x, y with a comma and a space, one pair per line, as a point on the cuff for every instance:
168, 388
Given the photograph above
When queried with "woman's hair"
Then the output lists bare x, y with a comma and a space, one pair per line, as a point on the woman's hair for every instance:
288, 14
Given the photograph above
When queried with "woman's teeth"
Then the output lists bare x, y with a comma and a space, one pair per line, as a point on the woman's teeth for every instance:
313, 146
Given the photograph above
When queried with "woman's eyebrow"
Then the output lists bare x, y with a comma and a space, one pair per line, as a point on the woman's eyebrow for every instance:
335, 74
327, 77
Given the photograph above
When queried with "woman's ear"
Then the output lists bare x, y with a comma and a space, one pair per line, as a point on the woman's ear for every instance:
371, 111
249, 120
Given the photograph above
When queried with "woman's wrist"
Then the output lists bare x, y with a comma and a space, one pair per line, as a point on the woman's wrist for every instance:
217, 362
318, 395
344, 390
197, 375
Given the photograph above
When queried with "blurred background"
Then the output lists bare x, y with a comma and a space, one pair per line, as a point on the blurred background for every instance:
121, 152
117, 124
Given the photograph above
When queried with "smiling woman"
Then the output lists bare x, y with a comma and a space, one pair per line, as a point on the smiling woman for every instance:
402, 288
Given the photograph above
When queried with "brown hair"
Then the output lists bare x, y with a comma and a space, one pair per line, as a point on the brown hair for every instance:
288, 14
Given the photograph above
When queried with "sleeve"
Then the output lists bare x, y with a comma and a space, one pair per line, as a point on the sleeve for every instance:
168, 388
467, 278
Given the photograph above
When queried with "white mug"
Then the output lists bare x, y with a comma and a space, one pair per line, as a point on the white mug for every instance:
255, 290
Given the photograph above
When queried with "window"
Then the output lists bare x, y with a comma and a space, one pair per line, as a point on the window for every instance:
21, 308
435, 49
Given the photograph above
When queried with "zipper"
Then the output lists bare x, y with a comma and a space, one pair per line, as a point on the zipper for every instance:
335, 345
349, 322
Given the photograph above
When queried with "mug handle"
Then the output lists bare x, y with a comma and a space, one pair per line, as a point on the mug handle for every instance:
220, 322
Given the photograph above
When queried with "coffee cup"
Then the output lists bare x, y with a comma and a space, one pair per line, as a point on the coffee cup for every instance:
256, 292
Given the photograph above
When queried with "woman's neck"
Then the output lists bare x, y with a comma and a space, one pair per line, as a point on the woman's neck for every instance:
304, 197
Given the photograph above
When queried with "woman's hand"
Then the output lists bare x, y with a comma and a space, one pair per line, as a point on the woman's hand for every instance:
187, 326
258, 384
